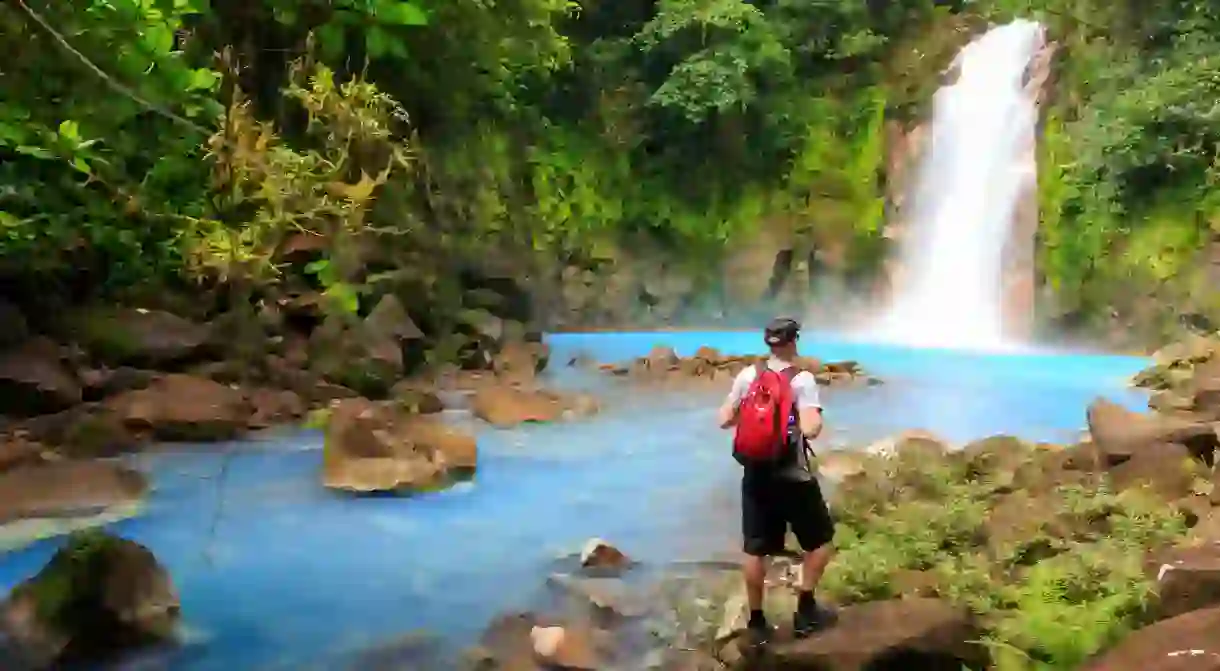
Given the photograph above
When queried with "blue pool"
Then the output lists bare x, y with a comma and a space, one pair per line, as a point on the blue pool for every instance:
276, 573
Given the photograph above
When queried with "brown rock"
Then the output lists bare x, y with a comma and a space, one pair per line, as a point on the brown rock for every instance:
372, 447
101, 383
1188, 579
520, 361
564, 648
1120, 433
34, 380
138, 337
67, 489
274, 406
18, 450
899, 635
1167, 469
600, 556
709, 355
183, 408
661, 358
1188, 642
99, 595
522, 642
507, 406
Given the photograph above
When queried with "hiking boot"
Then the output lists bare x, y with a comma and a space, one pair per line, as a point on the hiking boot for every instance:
817, 619
756, 634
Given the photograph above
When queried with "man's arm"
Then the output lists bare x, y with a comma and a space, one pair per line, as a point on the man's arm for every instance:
728, 413
808, 405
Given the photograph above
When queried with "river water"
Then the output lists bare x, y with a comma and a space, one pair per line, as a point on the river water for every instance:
277, 573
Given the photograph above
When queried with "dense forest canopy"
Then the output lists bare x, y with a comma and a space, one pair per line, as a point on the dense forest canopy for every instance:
588, 149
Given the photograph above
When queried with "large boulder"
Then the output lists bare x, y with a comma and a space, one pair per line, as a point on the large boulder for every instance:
374, 447
67, 489
1119, 433
1188, 642
1188, 578
138, 337
34, 380
183, 408
899, 635
98, 596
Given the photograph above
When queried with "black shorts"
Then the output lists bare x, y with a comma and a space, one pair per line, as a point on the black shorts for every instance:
770, 504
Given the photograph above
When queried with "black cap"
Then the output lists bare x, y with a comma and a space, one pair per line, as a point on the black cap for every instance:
781, 331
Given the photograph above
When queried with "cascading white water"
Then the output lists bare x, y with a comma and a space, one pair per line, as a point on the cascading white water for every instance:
966, 194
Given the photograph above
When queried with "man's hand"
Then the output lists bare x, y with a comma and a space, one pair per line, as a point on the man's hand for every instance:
810, 420
727, 416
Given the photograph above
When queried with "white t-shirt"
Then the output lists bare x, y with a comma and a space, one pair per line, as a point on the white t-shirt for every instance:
805, 395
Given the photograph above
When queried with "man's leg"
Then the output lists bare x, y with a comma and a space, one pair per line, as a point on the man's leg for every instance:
814, 529
762, 536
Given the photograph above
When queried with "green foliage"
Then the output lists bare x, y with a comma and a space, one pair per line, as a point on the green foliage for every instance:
935, 516
568, 136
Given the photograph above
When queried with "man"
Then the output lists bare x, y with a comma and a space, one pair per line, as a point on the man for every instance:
788, 493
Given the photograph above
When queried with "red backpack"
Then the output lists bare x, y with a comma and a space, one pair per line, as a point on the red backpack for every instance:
766, 412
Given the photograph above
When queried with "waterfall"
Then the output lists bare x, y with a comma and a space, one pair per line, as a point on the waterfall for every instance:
970, 179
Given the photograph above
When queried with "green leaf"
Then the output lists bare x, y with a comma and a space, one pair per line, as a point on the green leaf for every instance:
332, 39
69, 130
377, 42
203, 79
400, 13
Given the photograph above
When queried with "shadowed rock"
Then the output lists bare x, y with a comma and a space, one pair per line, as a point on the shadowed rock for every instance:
1188, 642
98, 596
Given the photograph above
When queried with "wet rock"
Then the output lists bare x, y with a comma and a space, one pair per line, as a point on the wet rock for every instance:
34, 380
607, 598
67, 489
274, 406
598, 556
503, 406
522, 642
900, 635
1188, 642
1119, 433
98, 596
183, 408
375, 447
138, 337
1187, 579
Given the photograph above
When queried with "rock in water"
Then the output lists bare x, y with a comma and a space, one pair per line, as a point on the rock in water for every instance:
66, 489
373, 447
184, 408
602, 557
99, 596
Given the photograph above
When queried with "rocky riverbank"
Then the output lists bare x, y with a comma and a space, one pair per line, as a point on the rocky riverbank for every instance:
103, 382
996, 554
